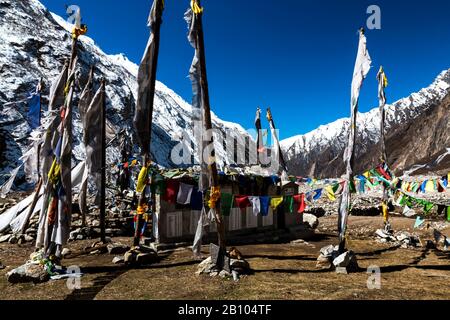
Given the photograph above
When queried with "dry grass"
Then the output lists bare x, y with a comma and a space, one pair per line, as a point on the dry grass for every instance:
281, 271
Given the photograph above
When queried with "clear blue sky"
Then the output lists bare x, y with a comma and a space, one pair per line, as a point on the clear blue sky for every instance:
296, 56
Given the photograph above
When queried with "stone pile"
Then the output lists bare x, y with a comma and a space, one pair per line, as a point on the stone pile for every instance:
29, 272
330, 259
400, 238
231, 265
141, 255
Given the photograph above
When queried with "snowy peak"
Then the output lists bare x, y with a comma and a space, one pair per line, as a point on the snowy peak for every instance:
314, 152
34, 43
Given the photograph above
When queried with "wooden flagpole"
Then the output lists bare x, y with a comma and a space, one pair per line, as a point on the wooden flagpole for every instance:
208, 124
103, 166
156, 29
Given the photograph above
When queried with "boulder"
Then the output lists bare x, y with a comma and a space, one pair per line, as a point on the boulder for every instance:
311, 220
329, 251
118, 260
341, 270
239, 264
146, 258
31, 231
28, 273
205, 262
402, 236
5, 238
130, 257
13, 239
224, 274
117, 248
206, 266
65, 252
382, 234
346, 260
323, 262
28, 238
95, 223
214, 273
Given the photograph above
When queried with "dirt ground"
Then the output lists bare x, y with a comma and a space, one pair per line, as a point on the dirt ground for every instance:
280, 271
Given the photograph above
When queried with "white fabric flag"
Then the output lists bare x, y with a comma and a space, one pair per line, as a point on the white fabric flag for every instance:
4, 189
57, 96
204, 221
362, 67
184, 194
11, 213
256, 204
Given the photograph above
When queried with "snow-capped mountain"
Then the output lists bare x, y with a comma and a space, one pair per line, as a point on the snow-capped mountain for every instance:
35, 42
320, 152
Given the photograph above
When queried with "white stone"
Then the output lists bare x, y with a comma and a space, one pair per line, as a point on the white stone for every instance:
327, 251
5, 238
118, 260
382, 234
65, 252
311, 220
341, 270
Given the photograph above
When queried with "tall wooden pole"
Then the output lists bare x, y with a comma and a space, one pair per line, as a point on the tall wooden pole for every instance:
275, 136
73, 54
208, 126
146, 157
103, 170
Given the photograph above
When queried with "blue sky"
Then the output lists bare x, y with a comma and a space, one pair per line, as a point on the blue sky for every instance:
296, 56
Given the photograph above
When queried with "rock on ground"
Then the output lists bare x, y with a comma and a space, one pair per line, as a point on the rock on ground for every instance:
118, 260
28, 273
346, 260
117, 248
311, 220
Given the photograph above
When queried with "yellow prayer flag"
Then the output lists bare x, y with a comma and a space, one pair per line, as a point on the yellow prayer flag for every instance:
275, 202
385, 80
330, 193
429, 187
142, 179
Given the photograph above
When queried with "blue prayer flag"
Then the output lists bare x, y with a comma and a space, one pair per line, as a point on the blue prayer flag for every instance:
34, 111
265, 202
318, 194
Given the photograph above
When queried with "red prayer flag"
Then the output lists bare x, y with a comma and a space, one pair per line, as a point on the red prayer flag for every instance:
300, 200
242, 201
171, 194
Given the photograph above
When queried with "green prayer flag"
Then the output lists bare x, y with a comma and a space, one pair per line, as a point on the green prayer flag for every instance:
369, 184
158, 184
289, 203
336, 187
428, 206
226, 203
403, 200
448, 213
352, 186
